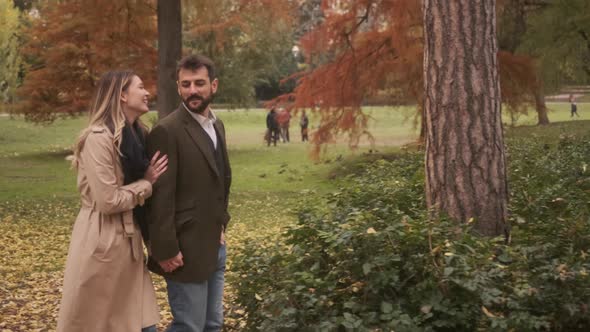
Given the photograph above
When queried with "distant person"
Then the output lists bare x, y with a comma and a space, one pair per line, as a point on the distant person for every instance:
272, 127
304, 123
107, 286
574, 107
284, 119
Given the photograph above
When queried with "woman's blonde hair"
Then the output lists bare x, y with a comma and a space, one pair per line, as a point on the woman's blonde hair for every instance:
106, 109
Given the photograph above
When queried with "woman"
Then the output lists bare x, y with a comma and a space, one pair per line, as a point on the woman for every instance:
106, 285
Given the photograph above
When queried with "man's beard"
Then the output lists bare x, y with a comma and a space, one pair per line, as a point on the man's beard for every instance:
202, 106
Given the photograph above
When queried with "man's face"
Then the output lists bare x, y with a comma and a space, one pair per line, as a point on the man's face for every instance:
195, 88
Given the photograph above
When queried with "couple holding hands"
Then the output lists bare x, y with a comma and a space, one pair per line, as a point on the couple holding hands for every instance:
169, 188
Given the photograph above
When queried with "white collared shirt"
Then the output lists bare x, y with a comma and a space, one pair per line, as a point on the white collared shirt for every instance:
206, 123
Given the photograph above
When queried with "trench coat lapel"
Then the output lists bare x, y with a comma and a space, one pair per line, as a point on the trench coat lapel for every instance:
199, 137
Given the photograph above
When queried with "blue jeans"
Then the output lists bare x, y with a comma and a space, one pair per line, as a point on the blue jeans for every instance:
149, 329
198, 307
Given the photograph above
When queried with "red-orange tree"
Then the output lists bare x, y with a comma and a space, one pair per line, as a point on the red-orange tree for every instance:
521, 78
366, 48
73, 42
358, 51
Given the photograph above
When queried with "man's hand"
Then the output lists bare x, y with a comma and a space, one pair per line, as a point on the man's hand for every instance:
172, 264
222, 237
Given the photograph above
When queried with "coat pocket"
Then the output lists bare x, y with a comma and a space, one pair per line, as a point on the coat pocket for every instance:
184, 213
107, 237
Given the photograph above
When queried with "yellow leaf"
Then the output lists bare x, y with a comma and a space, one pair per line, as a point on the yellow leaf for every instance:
371, 230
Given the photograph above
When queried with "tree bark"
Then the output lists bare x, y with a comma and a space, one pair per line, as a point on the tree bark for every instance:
169, 52
422, 137
465, 161
540, 106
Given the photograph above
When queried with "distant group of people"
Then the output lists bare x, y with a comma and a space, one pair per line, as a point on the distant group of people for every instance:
277, 125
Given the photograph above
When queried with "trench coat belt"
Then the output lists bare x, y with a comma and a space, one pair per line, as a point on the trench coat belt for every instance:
128, 226
128, 230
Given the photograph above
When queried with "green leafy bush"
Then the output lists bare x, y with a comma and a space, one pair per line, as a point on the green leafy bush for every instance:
369, 258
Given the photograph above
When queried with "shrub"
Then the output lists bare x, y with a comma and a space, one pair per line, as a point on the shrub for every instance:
369, 258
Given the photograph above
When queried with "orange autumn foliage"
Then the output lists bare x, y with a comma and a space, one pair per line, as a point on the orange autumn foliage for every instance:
518, 81
218, 18
366, 48
73, 42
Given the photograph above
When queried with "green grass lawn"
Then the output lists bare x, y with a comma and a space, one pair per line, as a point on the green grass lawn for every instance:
33, 166
558, 112
38, 197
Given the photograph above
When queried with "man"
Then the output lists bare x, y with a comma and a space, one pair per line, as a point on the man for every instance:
272, 127
187, 213
304, 123
574, 107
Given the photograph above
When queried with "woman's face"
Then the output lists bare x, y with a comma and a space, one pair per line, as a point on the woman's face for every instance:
135, 98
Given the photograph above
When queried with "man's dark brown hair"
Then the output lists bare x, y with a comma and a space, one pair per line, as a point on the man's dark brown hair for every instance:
194, 62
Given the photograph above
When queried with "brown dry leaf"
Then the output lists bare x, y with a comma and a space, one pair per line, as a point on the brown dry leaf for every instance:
34, 240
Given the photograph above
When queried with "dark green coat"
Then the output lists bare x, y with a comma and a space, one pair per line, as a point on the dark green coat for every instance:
189, 203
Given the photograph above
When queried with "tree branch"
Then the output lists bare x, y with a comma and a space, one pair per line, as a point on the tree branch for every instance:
362, 19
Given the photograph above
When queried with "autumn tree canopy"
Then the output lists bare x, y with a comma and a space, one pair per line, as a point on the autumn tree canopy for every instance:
558, 34
365, 49
69, 46
357, 52
249, 40
521, 72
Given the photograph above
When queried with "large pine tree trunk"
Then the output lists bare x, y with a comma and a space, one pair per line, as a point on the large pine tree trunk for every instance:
465, 161
169, 52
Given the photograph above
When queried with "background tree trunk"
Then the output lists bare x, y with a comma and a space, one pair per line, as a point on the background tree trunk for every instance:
465, 161
169, 52
540, 106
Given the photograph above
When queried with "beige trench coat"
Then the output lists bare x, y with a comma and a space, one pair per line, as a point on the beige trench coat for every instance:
107, 286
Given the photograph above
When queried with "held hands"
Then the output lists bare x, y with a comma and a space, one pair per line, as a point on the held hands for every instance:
156, 168
172, 264
175, 262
